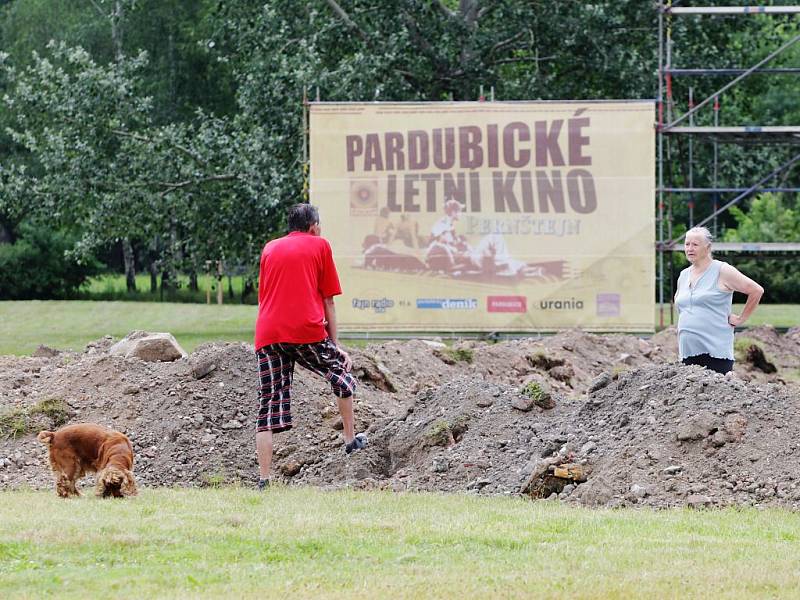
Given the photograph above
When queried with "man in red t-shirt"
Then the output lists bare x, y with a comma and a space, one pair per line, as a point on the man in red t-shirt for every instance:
297, 324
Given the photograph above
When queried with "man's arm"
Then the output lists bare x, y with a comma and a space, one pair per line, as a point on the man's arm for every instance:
330, 319
735, 281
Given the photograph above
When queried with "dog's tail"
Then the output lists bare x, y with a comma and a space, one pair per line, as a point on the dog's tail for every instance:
46, 437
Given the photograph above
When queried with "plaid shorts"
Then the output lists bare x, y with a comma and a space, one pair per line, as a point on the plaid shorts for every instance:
276, 369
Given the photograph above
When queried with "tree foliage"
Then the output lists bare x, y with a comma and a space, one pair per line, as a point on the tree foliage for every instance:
177, 125
40, 255
768, 220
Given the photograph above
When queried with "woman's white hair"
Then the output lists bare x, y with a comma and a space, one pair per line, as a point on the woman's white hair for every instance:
703, 232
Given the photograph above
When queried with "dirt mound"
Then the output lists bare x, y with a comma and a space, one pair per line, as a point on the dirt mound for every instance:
672, 435
463, 418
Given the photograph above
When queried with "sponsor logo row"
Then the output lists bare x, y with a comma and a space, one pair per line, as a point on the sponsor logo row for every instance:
608, 304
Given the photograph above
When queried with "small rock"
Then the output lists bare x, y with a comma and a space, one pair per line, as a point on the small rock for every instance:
599, 382
595, 492
291, 468
735, 426
131, 390
202, 367
149, 347
523, 403
719, 439
697, 427
440, 464
638, 491
485, 403
232, 424
672, 470
698, 501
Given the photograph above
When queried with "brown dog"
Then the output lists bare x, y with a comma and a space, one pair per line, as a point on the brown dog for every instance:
88, 448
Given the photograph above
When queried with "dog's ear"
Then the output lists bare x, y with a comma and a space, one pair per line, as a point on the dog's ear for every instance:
129, 484
46, 437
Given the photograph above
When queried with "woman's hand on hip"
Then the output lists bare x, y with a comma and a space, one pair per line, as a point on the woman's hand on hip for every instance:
735, 320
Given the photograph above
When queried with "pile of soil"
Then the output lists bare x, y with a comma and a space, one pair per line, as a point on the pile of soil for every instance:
627, 424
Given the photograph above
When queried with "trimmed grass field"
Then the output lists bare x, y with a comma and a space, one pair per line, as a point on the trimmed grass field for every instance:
72, 324
303, 543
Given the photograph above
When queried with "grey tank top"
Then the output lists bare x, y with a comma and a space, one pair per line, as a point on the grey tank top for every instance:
703, 311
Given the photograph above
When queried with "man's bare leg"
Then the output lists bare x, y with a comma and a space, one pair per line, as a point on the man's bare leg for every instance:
346, 412
264, 451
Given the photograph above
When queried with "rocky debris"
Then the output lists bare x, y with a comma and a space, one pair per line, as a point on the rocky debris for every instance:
599, 382
691, 431
534, 393
698, 427
43, 351
376, 373
627, 426
201, 367
698, 501
149, 347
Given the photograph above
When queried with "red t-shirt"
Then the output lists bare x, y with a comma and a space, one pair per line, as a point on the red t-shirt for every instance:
296, 273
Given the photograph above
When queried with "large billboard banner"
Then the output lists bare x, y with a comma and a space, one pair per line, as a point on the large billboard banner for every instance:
488, 216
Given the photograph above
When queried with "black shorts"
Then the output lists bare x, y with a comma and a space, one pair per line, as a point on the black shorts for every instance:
720, 365
276, 369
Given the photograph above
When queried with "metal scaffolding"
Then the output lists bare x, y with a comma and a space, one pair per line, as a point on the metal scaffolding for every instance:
682, 127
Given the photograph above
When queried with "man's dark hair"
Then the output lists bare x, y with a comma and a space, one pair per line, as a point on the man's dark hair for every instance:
302, 216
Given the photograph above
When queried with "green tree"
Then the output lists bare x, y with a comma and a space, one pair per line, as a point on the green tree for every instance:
770, 219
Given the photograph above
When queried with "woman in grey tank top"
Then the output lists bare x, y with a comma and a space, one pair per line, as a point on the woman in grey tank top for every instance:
704, 297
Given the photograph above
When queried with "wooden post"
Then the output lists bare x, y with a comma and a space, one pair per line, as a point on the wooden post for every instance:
208, 282
219, 282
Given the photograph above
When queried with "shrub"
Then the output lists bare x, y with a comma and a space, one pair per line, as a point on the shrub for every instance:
534, 391
452, 356
37, 266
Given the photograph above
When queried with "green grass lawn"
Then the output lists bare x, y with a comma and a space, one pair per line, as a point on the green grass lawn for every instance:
305, 543
25, 325
63, 325
777, 315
